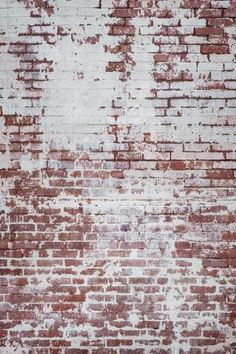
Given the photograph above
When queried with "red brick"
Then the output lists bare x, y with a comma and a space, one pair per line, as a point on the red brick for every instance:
195, 4
209, 31
209, 13
202, 289
123, 30
214, 49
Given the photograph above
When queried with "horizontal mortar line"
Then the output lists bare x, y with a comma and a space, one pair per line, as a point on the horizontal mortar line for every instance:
116, 123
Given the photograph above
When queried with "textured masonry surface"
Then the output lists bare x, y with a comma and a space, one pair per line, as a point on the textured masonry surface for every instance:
117, 165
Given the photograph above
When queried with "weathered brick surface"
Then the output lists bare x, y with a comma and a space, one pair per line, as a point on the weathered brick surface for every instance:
117, 155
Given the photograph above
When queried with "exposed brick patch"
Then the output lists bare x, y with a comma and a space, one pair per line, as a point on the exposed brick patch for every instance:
39, 7
117, 153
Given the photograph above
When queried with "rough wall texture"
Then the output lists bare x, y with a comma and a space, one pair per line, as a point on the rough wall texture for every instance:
117, 176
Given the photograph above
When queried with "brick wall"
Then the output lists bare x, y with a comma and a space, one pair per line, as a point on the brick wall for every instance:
117, 155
